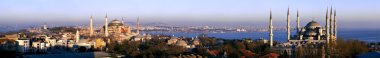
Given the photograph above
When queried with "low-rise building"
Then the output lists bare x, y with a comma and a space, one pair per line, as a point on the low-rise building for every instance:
23, 44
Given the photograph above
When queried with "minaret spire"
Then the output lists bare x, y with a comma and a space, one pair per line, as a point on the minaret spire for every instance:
106, 26
335, 25
288, 25
270, 29
138, 25
327, 26
331, 25
45, 26
91, 27
122, 20
77, 37
298, 22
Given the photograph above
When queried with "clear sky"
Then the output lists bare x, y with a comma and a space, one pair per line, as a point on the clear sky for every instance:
350, 13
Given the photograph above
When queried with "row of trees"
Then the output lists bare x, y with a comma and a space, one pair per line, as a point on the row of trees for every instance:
348, 48
339, 49
211, 47
154, 47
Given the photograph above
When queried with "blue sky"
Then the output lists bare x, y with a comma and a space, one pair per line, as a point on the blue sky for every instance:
351, 13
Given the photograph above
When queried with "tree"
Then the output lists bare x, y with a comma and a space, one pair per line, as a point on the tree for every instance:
130, 48
348, 48
239, 45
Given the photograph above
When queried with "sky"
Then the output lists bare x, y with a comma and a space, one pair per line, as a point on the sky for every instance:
350, 13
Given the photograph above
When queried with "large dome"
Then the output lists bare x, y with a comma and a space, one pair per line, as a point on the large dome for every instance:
115, 23
312, 24
311, 33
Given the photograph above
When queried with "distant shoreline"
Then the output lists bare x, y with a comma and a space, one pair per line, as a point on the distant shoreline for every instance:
367, 35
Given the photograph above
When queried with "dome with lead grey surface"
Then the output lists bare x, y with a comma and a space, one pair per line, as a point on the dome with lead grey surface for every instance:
312, 25
115, 23
311, 33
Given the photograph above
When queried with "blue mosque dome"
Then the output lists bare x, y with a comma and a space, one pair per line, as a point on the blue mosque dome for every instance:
312, 25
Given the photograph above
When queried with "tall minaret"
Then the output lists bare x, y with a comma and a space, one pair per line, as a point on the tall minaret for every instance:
91, 27
298, 22
138, 25
122, 20
45, 26
77, 37
106, 26
335, 28
327, 26
288, 25
331, 25
270, 29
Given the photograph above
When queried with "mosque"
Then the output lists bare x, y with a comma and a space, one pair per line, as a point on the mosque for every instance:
115, 30
312, 33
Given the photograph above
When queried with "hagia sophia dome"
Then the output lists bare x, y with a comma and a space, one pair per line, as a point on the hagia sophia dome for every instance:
115, 23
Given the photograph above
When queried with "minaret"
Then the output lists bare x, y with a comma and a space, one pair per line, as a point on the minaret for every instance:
298, 22
106, 26
45, 26
327, 26
138, 25
122, 20
331, 25
288, 25
77, 37
335, 28
91, 27
270, 29
129, 30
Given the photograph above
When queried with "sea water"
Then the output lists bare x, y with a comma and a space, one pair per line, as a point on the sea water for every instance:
368, 35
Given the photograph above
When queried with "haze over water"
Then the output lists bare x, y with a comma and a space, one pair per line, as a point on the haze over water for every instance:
368, 35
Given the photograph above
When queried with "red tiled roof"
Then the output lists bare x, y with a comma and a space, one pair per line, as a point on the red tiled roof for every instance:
213, 52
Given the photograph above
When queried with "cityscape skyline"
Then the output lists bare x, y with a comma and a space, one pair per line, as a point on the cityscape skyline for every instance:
189, 29
188, 12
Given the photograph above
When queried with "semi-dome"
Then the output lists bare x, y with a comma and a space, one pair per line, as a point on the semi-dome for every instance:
115, 23
312, 24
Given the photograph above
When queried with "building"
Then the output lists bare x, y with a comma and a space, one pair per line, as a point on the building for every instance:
173, 40
23, 45
182, 43
39, 46
12, 36
15, 42
8, 45
311, 33
261, 40
141, 38
118, 30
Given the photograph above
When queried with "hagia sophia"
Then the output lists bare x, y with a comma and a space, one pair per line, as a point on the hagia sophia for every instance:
118, 30
115, 29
